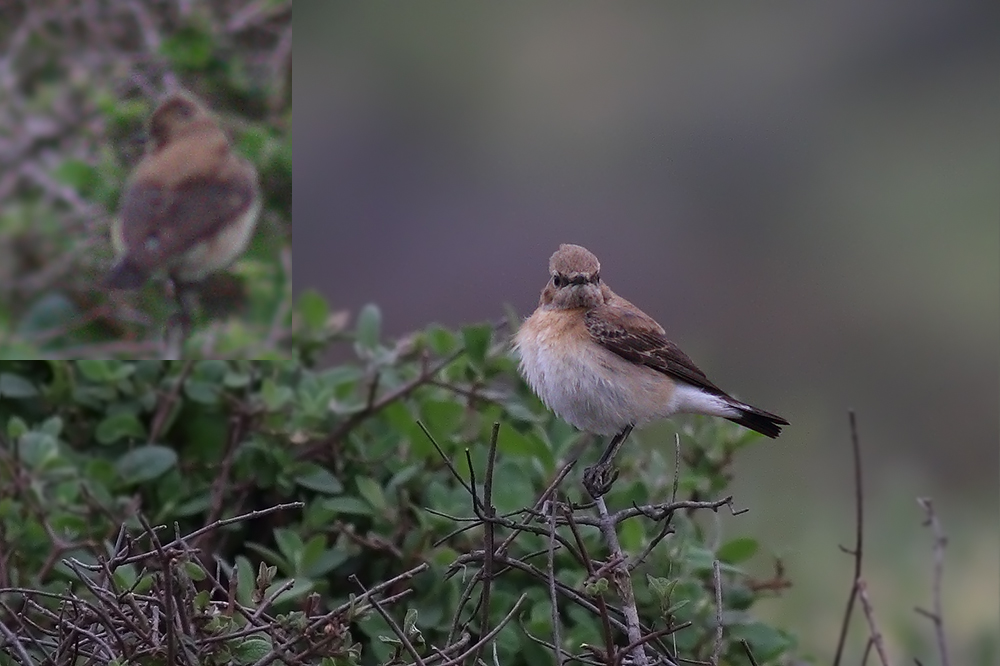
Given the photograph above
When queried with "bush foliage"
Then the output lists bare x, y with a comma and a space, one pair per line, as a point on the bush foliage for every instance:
216, 512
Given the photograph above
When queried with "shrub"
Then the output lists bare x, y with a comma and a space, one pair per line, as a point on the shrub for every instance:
234, 511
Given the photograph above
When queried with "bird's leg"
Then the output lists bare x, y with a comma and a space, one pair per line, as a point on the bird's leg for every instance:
616, 443
180, 321
598, 478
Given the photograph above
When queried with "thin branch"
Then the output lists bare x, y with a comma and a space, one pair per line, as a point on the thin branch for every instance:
858, 538
400, 392
940, 541
392, 623
489, 533
624, 584
491, 635
748, 652
553, 596
717, 578
876, 635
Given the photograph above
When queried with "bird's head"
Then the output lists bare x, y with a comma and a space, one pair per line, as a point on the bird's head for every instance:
177, 115
575, 280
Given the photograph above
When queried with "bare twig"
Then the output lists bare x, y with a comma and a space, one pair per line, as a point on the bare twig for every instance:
12, 643
660, 511
748, 652
602, 606
937, 615
717, 647
491, 635
858, 538
876, 635
624, 584
400, 392
489, 534
553, 597
396, 629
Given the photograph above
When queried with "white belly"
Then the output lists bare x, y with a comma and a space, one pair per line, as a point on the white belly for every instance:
593, 388
590, 387
218, 252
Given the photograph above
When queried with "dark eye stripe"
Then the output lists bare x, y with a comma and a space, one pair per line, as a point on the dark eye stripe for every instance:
560, 280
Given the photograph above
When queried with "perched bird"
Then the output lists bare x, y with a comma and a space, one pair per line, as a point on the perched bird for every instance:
605, 366
191, 204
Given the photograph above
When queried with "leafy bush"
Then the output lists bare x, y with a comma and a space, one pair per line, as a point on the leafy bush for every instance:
129, 486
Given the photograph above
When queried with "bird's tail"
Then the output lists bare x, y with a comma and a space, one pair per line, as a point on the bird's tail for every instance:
758, 420
125, 275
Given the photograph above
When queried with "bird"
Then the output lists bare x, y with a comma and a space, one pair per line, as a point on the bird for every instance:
605, 366
190, 207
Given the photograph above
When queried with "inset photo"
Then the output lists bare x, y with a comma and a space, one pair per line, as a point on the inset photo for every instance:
147, 188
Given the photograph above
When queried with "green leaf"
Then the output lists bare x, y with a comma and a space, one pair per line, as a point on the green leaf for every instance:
79, 175
211, 370
53, 310
372, 492
313, 309
631, 534
672, 610
250, 650
144, 585
662, 587
201, 391
253, 142
16, 387
511, 484
275, 396
116, 427
320, 479
347, 505
410, 621
244, 579
145, 463
189, 48
38, 448
369, 326
477, 342
194, 570
236, 380
700, 559
737, 550
17, 427
52, 426
765, 641
96, 370
513, 442
300, 589
289, 543
441, 341
442, 417
329, 560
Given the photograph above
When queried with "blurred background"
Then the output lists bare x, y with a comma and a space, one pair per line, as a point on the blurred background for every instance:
807, 197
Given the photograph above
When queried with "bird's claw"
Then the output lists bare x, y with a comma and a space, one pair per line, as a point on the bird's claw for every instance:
599, 478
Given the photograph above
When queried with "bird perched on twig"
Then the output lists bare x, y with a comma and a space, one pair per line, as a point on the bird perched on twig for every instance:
605, 366
190, 206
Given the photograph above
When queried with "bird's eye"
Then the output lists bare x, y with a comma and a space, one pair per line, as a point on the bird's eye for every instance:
558, 281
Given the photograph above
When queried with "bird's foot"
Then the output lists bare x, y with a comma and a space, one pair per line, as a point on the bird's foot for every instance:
181, 321
176, 332
599, 478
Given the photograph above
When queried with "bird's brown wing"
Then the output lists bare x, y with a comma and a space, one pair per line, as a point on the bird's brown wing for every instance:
637, 338
160, 223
